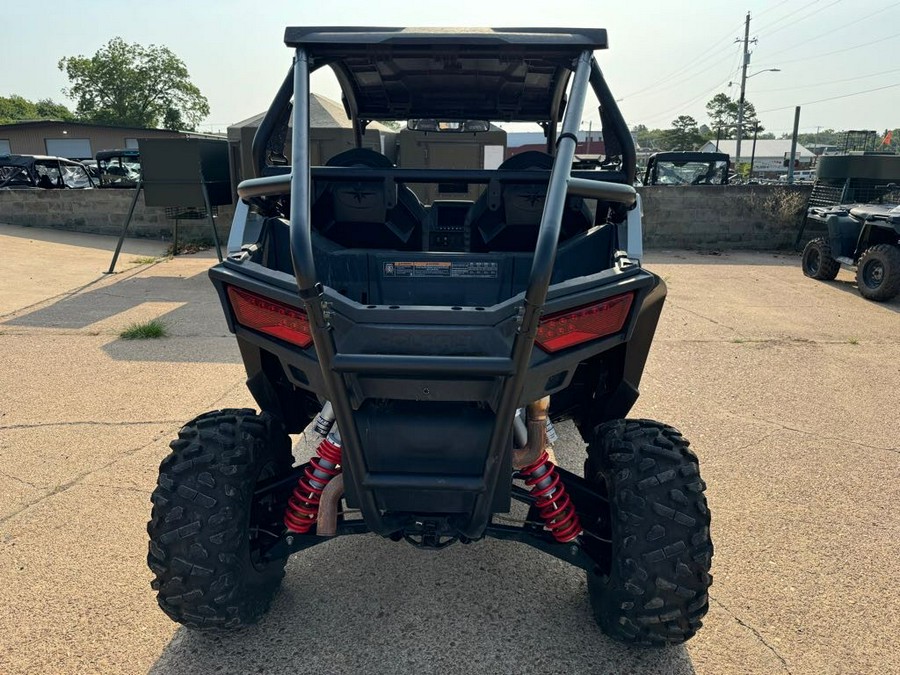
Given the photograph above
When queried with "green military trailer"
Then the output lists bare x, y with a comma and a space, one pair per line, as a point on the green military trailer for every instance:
468, 144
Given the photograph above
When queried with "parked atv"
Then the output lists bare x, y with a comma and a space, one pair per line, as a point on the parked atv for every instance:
864, 238
433, 346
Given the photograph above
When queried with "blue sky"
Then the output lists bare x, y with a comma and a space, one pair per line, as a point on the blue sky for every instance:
666, 57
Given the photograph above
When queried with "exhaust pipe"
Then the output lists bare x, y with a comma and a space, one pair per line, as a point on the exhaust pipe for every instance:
536, 415
326, 520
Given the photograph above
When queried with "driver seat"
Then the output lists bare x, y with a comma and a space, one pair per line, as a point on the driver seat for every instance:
377, 214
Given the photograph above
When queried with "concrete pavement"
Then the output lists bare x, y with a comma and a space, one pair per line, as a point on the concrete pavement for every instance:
786, 386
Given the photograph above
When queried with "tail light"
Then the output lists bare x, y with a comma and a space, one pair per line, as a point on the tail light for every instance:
583, 324
272, 318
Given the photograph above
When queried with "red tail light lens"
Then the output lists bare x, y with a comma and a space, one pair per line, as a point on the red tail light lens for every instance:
573, 327
272, 318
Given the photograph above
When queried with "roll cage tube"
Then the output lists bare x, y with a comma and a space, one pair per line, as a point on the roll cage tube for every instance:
535, 294
312, 293
273, 117
609, 112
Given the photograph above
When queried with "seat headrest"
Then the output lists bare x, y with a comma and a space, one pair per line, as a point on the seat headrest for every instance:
361, 157
525, 161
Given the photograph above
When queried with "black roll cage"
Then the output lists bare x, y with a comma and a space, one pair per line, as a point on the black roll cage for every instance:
512, 370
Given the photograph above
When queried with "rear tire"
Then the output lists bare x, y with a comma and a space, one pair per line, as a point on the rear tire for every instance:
817, 261
205, 531
878, 273
655, 590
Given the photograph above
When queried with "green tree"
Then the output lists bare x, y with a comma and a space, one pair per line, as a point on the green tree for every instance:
823, 137
646, 138
133, 85
15, 108
723, 115
684, 134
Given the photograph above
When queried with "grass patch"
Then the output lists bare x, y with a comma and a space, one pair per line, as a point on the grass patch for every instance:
147, 260
148, 330
853, 341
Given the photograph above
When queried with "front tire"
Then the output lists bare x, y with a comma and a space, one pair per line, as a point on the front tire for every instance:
817, 261
654, 590
205, 530
878, 273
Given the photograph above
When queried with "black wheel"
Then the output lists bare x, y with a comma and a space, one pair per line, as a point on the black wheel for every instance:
818, 262
878, 272
654, 589
205, 530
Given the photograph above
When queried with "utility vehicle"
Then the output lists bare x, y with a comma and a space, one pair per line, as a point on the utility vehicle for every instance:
687, 168
119, 168
864, 238
432, 346
22, 172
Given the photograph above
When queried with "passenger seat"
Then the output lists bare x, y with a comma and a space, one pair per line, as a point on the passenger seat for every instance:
510, 218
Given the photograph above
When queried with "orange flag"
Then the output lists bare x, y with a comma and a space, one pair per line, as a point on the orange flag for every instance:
887, 137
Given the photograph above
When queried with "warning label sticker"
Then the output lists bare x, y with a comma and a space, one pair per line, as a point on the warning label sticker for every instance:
441, 268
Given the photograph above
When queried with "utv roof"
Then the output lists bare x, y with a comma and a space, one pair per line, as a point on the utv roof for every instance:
449, 73
28, 160
125, 152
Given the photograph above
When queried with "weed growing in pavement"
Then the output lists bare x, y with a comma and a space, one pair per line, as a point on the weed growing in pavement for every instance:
189, 247
148, 330
147, 260
853, 341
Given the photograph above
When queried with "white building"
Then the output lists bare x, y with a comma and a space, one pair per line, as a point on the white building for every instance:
770, 155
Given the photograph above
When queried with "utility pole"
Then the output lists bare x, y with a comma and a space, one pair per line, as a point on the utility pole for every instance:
753, 152
790, 178
740, 120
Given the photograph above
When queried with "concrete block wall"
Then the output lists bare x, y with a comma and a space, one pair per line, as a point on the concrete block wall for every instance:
762, 217
102, 212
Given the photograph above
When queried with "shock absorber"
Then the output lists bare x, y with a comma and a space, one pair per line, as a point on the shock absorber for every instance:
303, 504
551, 499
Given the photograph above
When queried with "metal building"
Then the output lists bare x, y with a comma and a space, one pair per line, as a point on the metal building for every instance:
74, 140
330, 133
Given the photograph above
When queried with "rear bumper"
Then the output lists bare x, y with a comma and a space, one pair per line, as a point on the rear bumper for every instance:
445, 368
442, 353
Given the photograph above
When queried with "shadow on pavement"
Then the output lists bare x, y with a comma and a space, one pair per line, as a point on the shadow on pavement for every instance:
199, 316
84, 239
848, 286
364, 604
660, 256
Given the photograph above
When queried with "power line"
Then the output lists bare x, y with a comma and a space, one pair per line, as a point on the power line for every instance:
707, 92
835, 30
691, 77
839, 51
678, 71
685, 104
801, 18
834, 98
769, 9
822, 84
788, 15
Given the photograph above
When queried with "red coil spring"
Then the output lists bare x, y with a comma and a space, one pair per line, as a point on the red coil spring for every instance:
552, 500
303, 505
